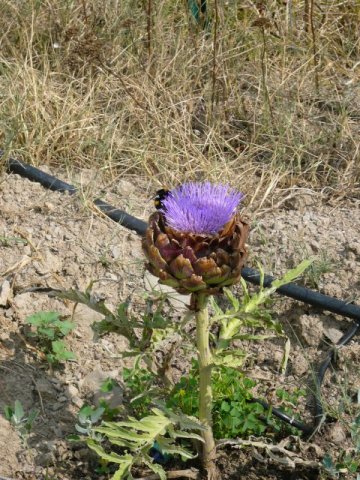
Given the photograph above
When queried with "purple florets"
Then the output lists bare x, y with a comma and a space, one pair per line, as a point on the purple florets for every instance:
202, 208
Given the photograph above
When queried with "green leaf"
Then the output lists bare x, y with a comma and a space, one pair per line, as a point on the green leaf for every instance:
155, 467
42, 318
82, 430
189, 435
9, 412
291, 275
108, 385
119, 323
248, 336
168, 447
125, 460
18, 412
232, 299
152, 426
285, 359
228, 358
60, 352
65, 326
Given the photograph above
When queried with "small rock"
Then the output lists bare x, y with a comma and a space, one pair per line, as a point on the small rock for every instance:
4, 337
5, 293
333, 334
116, 251
337, 434
50, 206
57, 406
124, 187
49, 263
111, 276
299, 364
74, 395
311, 329
315, 246
354, 247
45, 459
332, 289
278, 357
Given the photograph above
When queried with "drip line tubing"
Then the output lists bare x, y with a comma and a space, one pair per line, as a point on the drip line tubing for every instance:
291, 290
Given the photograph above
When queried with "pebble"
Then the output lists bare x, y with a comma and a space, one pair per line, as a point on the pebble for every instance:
56, 406
311, 329
116, 251
5, 293
74, 395
333, 334
337, 434
45, 459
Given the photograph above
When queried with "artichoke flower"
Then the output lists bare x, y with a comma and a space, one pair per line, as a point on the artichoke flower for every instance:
195, 241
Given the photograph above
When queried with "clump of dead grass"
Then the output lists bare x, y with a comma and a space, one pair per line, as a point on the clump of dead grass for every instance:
266, 96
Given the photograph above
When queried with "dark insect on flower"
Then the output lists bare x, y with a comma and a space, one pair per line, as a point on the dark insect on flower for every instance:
160, 196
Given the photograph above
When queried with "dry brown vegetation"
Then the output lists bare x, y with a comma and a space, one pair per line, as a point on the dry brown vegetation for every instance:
264, 94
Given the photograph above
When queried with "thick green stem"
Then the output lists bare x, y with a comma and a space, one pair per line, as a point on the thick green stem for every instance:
205, 391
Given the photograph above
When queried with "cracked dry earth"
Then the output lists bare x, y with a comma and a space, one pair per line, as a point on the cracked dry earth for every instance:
49, 239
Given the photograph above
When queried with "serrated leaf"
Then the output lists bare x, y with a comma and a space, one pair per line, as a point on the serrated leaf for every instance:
172, 449
42, 318
47, 332
151, 426
119, 323
185, 422
124, 460
215, 306
248, 336
189, 435
60, 351
246, 295
156, 468
65, 326
232, 299
229, 359
291, 275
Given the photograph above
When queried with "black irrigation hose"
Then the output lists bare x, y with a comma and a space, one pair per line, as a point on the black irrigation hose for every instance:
53, 183
290, 290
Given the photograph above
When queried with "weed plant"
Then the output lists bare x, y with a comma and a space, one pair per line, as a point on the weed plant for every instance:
49, 330
21, 421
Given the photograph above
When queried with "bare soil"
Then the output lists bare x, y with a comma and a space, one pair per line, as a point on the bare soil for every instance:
49, 239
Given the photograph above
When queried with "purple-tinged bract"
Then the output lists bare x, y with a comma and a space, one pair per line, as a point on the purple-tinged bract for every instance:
200, 208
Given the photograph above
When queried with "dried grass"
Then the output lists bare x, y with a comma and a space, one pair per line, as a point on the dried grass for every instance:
131, 90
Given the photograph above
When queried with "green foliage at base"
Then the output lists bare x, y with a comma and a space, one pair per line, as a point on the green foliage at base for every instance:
21, 421
50, 329
136, 440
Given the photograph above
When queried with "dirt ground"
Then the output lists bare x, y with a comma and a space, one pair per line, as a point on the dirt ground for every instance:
49, 239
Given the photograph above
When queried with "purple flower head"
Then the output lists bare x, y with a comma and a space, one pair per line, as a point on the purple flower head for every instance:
202, 208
